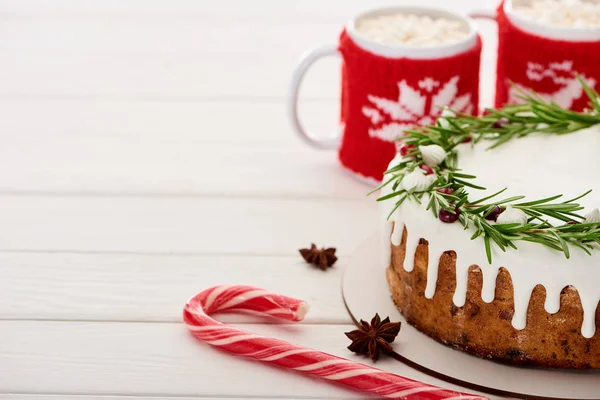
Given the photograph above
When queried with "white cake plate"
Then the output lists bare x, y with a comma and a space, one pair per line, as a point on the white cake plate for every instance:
366, 292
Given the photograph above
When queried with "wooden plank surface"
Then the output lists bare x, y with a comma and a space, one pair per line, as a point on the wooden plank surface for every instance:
225, 122
307, 10
178, 77
145, 359
132, 287
193, 57
184, 225
156, 359
111, 150
111, 397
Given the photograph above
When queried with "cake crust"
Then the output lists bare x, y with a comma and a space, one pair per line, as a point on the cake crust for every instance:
485, 329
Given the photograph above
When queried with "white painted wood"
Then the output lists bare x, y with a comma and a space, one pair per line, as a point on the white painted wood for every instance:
110, 165
226, 122
209, 149
202, 38
177, 58
151, 76
307, 10
182, 225
159, 359
179, 76
129, 287
124, 58
211, 37
112, 397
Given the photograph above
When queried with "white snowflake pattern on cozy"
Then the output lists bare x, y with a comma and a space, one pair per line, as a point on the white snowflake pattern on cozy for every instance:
414, 106
561, 74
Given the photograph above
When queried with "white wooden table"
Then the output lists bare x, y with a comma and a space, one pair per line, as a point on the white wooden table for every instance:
145, 155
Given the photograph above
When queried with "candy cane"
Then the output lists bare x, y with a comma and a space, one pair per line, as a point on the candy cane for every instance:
273, 351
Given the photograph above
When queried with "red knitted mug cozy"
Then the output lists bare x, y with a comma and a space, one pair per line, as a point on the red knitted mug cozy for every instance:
382, 97
548, 66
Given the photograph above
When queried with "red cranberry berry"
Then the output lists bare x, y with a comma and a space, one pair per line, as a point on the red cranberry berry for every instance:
493, 216
468, 139
446, 190
405, 149
448, 217
428, 170
572, 223
500, 123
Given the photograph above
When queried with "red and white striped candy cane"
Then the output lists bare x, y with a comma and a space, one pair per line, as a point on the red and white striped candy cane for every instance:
283, 354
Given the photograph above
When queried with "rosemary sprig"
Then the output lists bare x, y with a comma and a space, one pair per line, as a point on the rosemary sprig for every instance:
448, 192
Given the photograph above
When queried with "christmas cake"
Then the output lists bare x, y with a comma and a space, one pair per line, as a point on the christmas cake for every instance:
510, 272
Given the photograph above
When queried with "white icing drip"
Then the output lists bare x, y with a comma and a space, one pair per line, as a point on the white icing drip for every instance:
522, 293
432, 273
589, 303
386, 209
386, 249
411, 248
397, 234
488, 289
552, 303
462, 277
532, 264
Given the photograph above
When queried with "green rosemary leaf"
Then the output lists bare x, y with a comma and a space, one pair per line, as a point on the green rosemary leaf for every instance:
460, 203
579, 227
488, 249
465, 183
536, 202
398, 204
563, 244
452, 160
434, 206
415, 197
478, 201
582, 247
578, 197
476, 234
591, 93
509, 200
512, 227
381, 186
542, 240
465, 176
443, 202
389, 196
464, 221
501, 140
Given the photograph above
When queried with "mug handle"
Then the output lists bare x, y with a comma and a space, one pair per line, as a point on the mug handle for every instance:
307, 60
483, 14
487, 14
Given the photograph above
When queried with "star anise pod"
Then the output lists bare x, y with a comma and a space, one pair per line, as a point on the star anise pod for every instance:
322, 258
374, 337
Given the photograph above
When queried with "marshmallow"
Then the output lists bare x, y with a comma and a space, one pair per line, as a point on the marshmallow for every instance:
566, 13
411, 29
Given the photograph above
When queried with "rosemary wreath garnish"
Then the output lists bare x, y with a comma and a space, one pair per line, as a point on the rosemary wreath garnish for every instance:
446, 193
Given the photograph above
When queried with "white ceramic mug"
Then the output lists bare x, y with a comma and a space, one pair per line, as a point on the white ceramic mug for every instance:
363, 148
568, 33
550, 60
